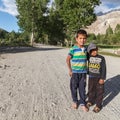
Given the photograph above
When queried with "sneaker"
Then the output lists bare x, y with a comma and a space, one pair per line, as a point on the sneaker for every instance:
75, 106
84, 108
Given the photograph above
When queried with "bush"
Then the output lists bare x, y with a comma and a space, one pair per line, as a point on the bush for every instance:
108, 46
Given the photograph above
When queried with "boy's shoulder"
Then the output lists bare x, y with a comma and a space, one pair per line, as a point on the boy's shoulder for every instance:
101, 56
74, 47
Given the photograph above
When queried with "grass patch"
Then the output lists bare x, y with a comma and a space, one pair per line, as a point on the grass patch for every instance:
108, 46
109, 54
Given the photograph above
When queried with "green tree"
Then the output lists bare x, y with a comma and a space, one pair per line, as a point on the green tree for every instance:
56, 33
117, 29
117, 34
91, 38
109, 35
78, 13
53, 24
109, 30
2, 33
32, 16
99, 39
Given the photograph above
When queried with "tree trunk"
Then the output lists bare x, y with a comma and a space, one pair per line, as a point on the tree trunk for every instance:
32, 39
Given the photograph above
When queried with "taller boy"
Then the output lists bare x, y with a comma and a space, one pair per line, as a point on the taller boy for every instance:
77, 65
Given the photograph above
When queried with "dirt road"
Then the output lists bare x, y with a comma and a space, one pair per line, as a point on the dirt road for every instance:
34, 85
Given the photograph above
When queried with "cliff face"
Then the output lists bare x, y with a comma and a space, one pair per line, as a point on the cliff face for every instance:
103, 22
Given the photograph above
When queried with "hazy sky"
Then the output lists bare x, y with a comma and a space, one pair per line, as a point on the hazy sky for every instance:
108, 5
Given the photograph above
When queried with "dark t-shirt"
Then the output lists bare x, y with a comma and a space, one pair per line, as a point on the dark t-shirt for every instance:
97, 67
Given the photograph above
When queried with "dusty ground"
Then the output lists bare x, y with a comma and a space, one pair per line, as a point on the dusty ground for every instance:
34, 85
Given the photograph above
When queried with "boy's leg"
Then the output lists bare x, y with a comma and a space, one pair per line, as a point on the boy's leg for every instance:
99, 96
91, 90
73, 87
82, 82
82, 92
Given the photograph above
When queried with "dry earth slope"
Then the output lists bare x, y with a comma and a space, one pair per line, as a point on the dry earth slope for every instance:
103, 22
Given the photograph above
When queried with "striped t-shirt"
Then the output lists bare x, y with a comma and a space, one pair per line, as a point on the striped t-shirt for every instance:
79, 59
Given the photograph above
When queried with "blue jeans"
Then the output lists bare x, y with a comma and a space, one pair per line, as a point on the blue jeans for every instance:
78, 84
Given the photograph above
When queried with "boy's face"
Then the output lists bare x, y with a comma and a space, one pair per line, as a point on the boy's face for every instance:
81, 39
94, 52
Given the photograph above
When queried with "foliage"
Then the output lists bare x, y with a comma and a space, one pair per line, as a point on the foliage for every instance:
78, 13
108, 46
13, 39
3, 33
57, 22
117, 29
112, 37
110, 54
109, 30
91, 38
32, 16
55, 29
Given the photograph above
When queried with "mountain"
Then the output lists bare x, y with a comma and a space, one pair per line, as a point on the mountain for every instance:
103, 21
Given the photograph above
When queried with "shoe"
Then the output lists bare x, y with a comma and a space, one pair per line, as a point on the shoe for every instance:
84, 108
89, 104
75, 106
96, 109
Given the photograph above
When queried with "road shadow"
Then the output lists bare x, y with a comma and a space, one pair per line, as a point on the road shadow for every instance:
112, 89
27, 49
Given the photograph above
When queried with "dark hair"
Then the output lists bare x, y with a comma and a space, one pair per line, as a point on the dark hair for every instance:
96, 49
81, 31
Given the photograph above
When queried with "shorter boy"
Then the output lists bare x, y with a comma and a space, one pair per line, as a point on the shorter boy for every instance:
97, 75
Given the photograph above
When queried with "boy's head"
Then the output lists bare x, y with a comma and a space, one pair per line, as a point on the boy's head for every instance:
81, 37
92, 49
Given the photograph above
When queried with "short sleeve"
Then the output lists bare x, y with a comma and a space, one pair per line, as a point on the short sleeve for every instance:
71, 52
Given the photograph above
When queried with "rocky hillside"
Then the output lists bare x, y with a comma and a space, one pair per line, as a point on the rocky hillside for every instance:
102, 23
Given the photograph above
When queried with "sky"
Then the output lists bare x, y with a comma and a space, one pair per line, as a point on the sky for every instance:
8, 12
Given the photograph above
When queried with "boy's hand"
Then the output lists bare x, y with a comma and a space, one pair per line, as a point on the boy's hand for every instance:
70, 73
101, 81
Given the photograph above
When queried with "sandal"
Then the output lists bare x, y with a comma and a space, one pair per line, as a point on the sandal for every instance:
89, 104
96, 109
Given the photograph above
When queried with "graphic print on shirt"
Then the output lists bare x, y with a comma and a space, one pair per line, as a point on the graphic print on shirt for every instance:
94, 64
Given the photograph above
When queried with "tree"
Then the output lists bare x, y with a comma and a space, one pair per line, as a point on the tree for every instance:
32, 16
56, 26
109, 30
117, 29
109, 35
62, 19
78, 13
91, 38
3, 33
117, 34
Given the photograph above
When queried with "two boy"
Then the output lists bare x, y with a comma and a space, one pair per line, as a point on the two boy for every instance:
77, 65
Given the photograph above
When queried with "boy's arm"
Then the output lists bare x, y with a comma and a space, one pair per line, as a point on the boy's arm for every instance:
88, 57
69, 64
103, 71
